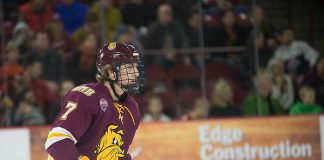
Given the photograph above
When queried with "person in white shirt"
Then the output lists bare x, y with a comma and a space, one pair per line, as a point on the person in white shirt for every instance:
297, 55
282, 87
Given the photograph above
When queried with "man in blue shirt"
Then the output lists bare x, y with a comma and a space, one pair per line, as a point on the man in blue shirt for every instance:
72, 14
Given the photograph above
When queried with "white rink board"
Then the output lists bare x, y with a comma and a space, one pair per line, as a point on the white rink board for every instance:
15, 144
321, 119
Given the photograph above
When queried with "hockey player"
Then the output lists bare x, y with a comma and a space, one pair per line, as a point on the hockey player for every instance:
98, 121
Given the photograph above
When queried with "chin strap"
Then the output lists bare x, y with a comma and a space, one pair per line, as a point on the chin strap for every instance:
121, 98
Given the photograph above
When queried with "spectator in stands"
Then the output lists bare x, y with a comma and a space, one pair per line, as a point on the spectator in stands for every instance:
315, 79
52, 62
151, 6
28, 113
297, 55
258, 41
31, 78
17, 89
110, 16
90, 27
223, 104
228, 33
21, 37
307, 104
192, 29
82, 65
182, 9
135, 13
258, 16
72, 13
224, 5
199, 110
255, 41
6, 110
60, 41
37, 13
154, 111
282, 87
65, 87
165, 34
192, 32
127, 34
266, 105
11, 67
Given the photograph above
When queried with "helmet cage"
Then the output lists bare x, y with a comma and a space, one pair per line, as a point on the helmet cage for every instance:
132, 85
128, 58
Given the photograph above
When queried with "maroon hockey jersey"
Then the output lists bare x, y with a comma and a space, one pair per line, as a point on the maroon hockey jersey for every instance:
99, 127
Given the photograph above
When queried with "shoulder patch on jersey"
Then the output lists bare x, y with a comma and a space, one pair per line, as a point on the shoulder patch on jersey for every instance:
84, 90
103, 104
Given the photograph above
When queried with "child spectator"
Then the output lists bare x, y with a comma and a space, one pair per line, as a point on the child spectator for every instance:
315, 78
297, 55
155, 107
223, 105
307, 104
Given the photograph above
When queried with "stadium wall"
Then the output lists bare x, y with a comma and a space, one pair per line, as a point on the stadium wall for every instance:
269, 138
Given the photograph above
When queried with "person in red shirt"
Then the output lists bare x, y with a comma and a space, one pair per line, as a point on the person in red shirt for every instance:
36, 13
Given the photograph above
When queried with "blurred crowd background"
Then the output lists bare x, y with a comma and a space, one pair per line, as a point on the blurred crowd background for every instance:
203, 59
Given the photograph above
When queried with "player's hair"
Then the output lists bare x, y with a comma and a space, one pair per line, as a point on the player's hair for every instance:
105, 73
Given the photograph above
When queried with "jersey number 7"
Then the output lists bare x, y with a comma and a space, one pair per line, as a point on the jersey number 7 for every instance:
71, 106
